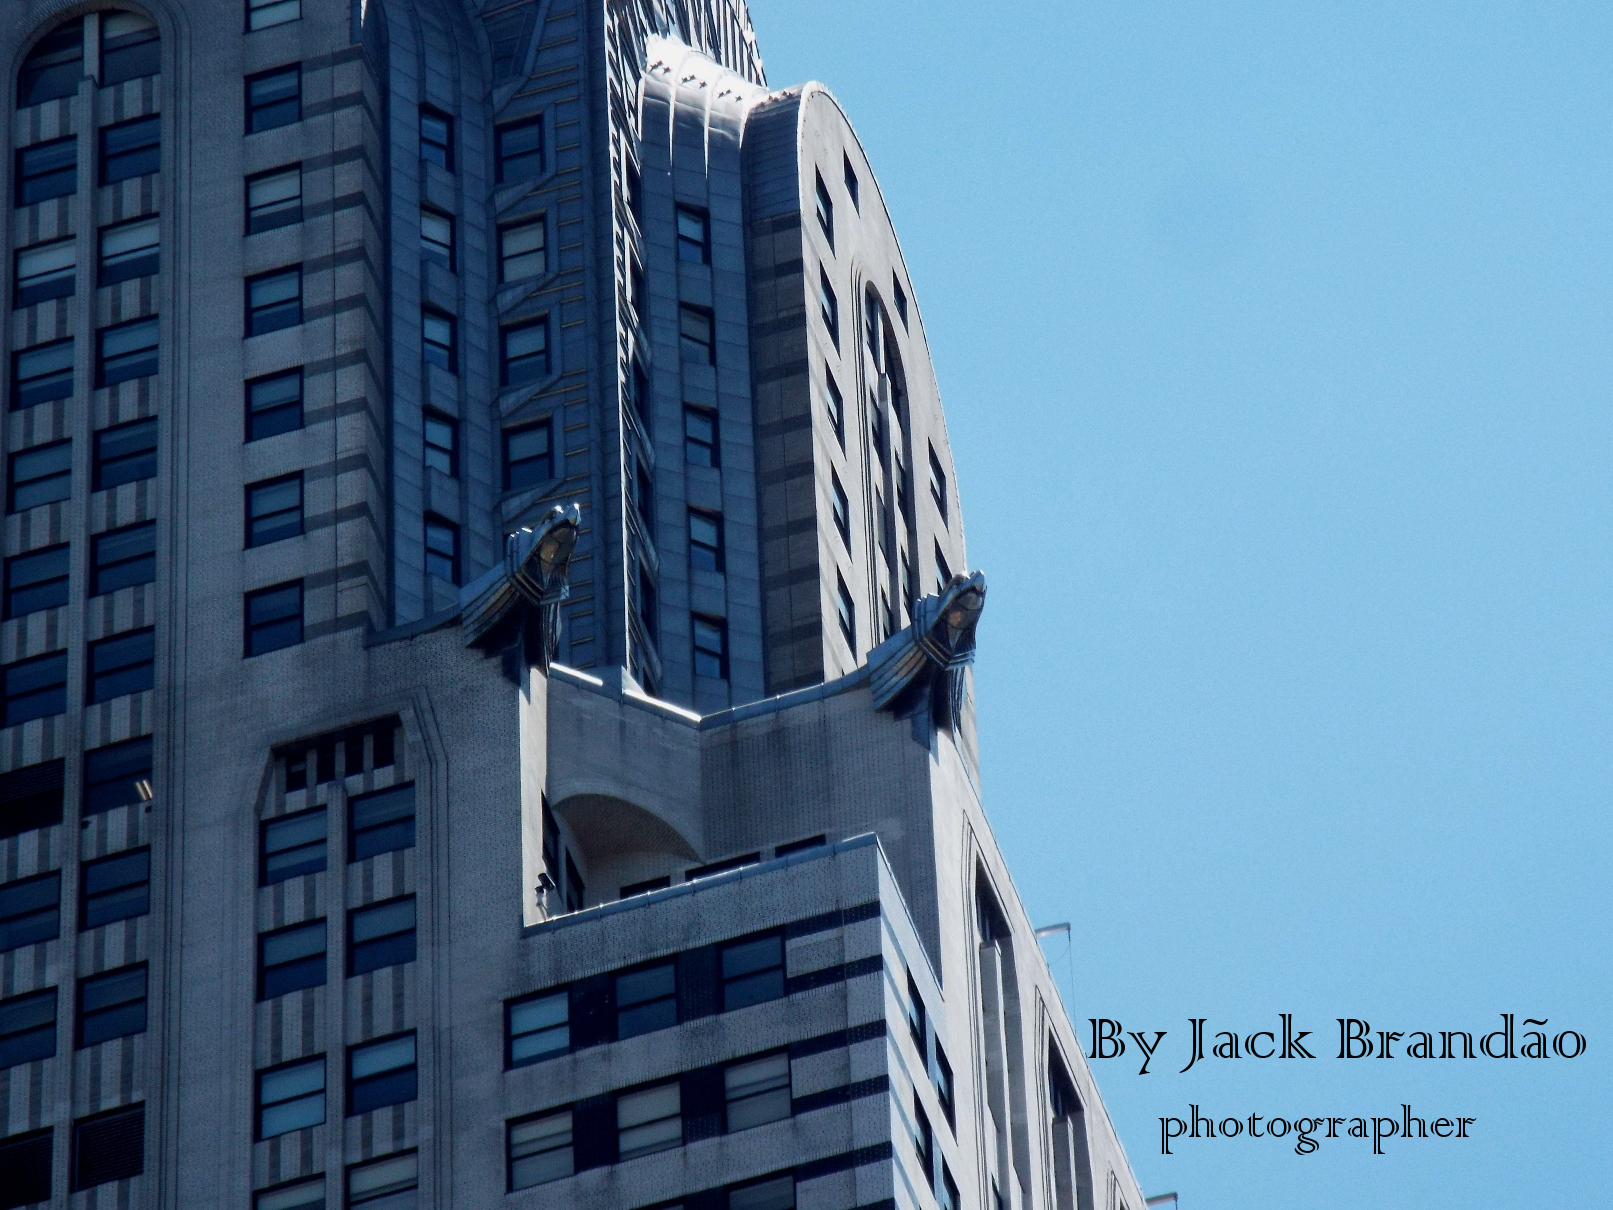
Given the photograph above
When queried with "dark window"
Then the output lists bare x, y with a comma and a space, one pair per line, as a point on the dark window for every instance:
634, 180
129, 48
700, 446
127, 351
538, 1027
837, 408
291, 959
118, 775
757, 1091
299, 1195
27, 1028
649, 1120
261, 14
291, 1097
293, 845
540, 1150
54, 67
31, 797
109, 1147
273, 510
36, 581
442, 549
944, 1087
131, 149
642, 488
943, 572
523, 251
273, 618
437, 238
775, 1193
123, 558
120, 665
696, 340
705, 540
525, 352
274, 301
901, 300
528, 461
380, 935
850, 176
439, 341
274, 405
30, 911
380, 822
442, 444
576, 889
646, 1000
924, 1141
388, 1183
846, 612
694, 236
26, 1161
42, 373
115, 888
129, 250
125, 453
710, 647
841, 507
44, 272
826, 211
519, 150
274, 199
274, 98
938, 484
437, 138
112, 1005
35, 688
829, 305
947, 1195
798, 846
752, 971
381, 1073
916, 1016
47, 170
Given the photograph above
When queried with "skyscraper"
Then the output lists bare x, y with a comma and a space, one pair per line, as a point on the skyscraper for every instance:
485, 585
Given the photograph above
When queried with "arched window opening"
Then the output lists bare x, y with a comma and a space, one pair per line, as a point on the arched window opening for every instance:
129, 48
54, 67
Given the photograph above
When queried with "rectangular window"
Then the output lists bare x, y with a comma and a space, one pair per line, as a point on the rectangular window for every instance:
752, 971
274, 301
837, 408
437, 138
442, 444
648, 1121
705, 540
938, 485
36, 581
840, 507
273, 510
437, 238
924, 1142
109, 1147
54, 66
30, 911
829, 306
42, 373
129, 250
274, 98
112, 1005
524, 353
126, 351
118, 775
916, 1016
125, 454
26, 1158
943, 573
646, 1000
389, 1183
439, 341
775, 1193
44, 272
293, 845
442, 549
121, 665
274, 405
274, 199
700, 446
540, 1150
757, 1092
901, 300
849, 174
381, 935
694, 236
380, 822
710, 647
47, 170
291, 959
35, 688
519, 147
130, 48
27, 1028
528, 461
826, 211
537, 1028
943, 1086
696, 339
131, 149
522, 251
947, 1195
31, 797
846, 611
115, 888
381, 1073
123, 558
273, 618
300, 1195
291, 1097
261, 14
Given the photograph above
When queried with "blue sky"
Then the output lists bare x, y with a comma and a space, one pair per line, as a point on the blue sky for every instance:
1275, 345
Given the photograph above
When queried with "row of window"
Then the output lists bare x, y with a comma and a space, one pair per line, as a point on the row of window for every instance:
110, 1005
106, 1147
49, 270
45, 372
297, 844
50, 169
111, 889
37, 687
130, 49
43, 474
825, 209
115, 775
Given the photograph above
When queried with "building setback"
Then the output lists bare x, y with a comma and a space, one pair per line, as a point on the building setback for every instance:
485, 587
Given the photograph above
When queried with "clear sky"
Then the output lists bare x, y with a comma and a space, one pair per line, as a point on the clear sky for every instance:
1275, 345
